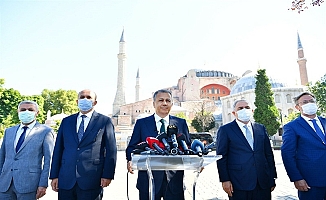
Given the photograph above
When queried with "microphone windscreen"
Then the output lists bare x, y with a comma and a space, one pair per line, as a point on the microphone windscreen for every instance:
196, 143
172, 129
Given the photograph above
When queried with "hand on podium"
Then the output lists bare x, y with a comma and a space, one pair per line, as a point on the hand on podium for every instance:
129, 168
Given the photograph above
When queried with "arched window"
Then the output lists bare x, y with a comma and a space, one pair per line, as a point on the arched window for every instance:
288, 98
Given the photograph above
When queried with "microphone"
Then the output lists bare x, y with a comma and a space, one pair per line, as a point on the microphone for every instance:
208, 148
197, 146
162, 137
172, 131
181, 140
155, 144
143, 146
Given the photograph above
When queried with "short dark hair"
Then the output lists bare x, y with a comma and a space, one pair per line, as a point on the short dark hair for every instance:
161, 91
296, 99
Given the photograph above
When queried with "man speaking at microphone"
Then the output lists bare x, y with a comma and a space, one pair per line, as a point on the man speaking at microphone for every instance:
168, 184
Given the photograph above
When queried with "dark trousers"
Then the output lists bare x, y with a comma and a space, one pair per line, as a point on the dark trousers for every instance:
257, 194
164, 193
76, 193
315, 193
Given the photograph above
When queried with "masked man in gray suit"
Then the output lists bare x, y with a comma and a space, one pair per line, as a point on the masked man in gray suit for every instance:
25, 156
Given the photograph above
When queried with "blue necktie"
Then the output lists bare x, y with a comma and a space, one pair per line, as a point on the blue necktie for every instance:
81, 128
21, 139
162, 129
318, 130
249, 137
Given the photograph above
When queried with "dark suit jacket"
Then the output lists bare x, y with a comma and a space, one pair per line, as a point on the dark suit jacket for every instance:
146, 127
240, 164
94, 156
304, 153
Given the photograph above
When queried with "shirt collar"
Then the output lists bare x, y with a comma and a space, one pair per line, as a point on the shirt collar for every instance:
88, 115
308, 119
240, 124
30, 126
158, 118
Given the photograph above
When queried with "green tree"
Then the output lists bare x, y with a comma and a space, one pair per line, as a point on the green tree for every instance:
182, 116
9, 100
60, 101
319, 90
204, 119
266, 112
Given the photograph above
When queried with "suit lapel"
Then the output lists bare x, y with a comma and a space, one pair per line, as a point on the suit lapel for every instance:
238, 132
308, 128
73, 122
11, 137
91, 124
151, 124
31, 134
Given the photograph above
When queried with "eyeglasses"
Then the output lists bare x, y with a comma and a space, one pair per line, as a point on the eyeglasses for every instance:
307, 101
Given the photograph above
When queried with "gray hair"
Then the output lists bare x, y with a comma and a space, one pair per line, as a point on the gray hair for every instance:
29, 102
239, 100
161, 91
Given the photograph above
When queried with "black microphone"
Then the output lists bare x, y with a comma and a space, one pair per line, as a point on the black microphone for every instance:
143, 148
163, 137
172, 132
181, 140
197, 146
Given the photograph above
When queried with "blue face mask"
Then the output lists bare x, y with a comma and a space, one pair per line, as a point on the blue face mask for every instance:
85, 104
26, 116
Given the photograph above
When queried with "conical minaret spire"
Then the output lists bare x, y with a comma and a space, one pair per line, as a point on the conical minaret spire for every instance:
137, 87
120, 99
302, 63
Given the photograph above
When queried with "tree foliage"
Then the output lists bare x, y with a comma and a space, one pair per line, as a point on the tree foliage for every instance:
9, 100
266, 112
204, 119
300, 5
319, 90
60, 101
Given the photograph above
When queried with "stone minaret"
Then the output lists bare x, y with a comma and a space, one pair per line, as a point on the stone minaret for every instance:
137, 86
302, 64
120, 99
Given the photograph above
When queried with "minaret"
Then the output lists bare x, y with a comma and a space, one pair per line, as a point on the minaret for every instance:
302, 63
119, 99
137, 86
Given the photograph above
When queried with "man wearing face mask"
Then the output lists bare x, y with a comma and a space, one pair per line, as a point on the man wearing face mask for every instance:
304, 149
85, 153
25, 156
247, 167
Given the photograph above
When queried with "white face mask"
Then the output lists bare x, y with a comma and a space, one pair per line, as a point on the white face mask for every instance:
244, 114
26, 116
309, 108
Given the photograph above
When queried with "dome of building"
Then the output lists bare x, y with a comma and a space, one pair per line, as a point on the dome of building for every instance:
248, 82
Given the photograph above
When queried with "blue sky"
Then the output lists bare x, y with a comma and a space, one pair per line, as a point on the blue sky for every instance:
74, 44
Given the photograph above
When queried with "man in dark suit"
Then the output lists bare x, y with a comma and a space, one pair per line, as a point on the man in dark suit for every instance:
25, 156
304, 149
247, 168
85, 153
168, 184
